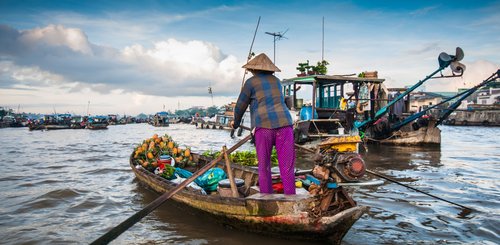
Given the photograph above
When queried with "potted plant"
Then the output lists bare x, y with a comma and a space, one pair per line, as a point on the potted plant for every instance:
310, 70
321, 67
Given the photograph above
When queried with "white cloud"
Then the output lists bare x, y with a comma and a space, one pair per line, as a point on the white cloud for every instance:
56, 54
57, 35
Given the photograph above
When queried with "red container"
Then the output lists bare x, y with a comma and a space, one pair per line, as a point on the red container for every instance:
165, 161
278, 187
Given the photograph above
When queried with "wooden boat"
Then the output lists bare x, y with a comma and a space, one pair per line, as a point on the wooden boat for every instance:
56, 126
161, 119
411, 135
78, 122
288, 216
97, 122
36, 126
221, 120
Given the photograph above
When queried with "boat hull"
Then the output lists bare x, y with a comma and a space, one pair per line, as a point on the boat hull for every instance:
277, 214
97, 126
56, 127
422, 136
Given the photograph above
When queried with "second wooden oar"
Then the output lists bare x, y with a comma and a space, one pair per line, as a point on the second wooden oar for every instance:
122, 227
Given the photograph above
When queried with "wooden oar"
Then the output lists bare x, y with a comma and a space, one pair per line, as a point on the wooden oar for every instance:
397, 182
417, 190
122, 227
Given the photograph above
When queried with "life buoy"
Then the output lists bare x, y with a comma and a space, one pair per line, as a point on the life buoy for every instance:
213, 126
452, 122
486, 123
220, 127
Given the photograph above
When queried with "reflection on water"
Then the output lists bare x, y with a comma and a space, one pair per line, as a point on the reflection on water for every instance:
71, 186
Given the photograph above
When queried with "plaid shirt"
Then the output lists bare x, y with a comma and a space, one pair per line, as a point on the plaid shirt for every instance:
267, 104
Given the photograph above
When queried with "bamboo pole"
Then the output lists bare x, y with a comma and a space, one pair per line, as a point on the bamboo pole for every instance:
234, 190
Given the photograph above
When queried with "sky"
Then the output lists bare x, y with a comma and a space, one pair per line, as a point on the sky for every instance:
131, 57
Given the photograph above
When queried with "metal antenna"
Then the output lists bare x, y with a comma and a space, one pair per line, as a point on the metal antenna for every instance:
276, 37
323, 41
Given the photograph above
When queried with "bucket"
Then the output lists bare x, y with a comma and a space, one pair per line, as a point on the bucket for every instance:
341, 131
224, 187
306, 113
165, 159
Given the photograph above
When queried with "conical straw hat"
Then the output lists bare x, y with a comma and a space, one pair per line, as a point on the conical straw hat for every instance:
261, 62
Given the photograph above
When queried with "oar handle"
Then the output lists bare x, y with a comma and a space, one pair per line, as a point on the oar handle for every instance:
123, 226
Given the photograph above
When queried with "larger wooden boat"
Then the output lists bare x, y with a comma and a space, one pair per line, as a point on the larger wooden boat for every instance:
291, 216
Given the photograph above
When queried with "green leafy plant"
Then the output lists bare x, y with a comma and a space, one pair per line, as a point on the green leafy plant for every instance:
321, 67
303, 67
245, 158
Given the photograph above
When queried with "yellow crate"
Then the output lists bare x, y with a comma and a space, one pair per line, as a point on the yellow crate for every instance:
341, 143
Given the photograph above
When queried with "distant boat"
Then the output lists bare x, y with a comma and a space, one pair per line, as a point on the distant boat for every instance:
97, 122
161, 119
57, 121
78, 122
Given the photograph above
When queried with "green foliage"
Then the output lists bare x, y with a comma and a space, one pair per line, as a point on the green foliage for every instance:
303, 67
321, 67
168, 172
245, 158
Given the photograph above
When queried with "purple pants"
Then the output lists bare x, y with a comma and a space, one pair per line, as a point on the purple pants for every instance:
282, 138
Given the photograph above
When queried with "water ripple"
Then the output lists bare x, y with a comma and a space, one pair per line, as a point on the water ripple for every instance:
70, 186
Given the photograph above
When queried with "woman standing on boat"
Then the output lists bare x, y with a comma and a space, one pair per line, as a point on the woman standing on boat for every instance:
271, 120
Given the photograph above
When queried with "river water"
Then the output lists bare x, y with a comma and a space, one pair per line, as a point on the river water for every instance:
71, 186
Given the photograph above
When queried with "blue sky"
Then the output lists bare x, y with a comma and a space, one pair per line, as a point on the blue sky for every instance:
138, 56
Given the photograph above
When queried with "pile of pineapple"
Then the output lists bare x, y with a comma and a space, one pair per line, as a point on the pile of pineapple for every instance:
149, 151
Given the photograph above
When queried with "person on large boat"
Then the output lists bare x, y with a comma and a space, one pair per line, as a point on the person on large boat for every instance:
271, 121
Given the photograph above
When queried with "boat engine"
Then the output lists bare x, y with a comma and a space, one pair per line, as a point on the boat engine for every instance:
337, 164
344, 167
339, 155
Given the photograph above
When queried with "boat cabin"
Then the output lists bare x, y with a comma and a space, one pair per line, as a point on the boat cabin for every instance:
324, 105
